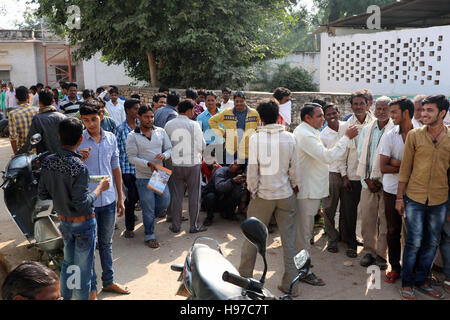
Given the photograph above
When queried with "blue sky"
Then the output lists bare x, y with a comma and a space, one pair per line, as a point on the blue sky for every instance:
15, 9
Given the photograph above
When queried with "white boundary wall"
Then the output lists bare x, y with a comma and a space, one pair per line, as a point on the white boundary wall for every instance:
401, 62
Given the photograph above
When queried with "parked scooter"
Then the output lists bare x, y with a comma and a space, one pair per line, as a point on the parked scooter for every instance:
35, 218
207, 275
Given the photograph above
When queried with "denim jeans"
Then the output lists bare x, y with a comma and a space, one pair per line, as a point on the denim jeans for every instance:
79, 248
424, 224
445, 243
152, 204
106, 219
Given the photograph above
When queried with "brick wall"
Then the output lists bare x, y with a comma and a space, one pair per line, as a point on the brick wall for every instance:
253, 97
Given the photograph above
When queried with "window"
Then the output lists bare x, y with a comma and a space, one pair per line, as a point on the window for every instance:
60, 75
5, 75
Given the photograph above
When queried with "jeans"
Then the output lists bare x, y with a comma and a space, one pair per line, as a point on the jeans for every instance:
79, 248
106, 219
424, 225
445, 243
129, 180
152, 204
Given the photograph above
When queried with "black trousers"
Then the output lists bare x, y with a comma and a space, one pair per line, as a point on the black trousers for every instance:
129, 180
349, 208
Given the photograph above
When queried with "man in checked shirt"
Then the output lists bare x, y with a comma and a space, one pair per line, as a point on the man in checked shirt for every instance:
20, 119
128, 169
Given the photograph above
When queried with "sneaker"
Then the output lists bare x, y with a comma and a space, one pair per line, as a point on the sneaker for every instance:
367, 260
381, 263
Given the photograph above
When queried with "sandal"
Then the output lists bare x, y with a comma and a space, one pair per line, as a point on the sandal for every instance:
351, 253
153, 243
313, 280
201, 229
391, 277
407, 294
429, 291
446, 286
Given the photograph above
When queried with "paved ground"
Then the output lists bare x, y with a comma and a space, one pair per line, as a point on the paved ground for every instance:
147, 271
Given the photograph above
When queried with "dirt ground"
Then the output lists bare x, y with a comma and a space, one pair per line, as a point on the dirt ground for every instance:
148, 275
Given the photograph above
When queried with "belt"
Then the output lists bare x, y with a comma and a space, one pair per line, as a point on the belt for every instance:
77, 219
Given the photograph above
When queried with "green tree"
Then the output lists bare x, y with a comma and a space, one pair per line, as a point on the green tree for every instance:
283, 75
202, 43
332, 10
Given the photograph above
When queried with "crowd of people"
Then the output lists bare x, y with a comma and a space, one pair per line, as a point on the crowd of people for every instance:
387, 163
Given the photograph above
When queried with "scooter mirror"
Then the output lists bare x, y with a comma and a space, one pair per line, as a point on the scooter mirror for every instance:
35, 139
256, 232
301, 259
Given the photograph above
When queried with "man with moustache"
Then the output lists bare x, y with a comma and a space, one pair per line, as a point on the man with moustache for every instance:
314, 159
371, 205
348, 165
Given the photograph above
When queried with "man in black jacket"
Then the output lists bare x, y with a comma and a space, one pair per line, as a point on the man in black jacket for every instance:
45, 123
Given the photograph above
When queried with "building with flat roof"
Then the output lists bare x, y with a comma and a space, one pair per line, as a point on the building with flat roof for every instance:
29, 56
407, 56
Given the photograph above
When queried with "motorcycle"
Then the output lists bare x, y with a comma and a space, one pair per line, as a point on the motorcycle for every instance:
35, 218
208, 275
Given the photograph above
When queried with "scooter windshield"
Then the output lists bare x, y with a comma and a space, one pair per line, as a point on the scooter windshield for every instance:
18, 162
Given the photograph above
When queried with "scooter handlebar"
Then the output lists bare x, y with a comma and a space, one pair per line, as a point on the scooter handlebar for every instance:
236, 280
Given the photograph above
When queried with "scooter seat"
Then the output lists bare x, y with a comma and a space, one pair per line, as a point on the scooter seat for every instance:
208, 266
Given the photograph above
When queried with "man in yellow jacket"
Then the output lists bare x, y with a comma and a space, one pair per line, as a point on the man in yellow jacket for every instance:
240, 124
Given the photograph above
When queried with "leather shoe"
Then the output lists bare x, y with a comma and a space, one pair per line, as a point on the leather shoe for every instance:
381, 263
367, 260
116, 289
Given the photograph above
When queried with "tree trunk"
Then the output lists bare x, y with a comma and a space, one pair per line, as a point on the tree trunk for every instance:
153, 72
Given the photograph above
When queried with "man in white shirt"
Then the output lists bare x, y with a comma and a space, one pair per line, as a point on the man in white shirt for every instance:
115, 107
283, 96
314, 159
348, 165
391, 153
188, 145
11, 100
329, 137
272, 179
371, 205
227, 103
418, 108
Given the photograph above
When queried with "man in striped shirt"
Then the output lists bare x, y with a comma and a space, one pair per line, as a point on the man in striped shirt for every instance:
71, 104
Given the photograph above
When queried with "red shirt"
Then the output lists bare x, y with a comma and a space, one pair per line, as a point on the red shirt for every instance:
206, 171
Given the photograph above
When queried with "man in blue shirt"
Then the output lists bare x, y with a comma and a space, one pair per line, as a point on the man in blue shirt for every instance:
101, 156
168, 112
211, 110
